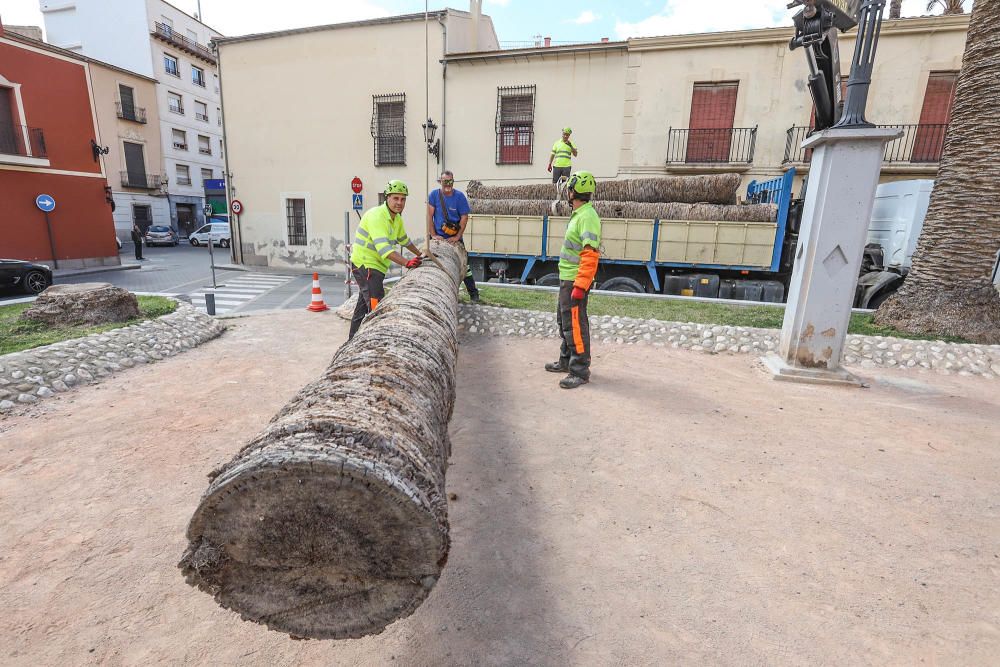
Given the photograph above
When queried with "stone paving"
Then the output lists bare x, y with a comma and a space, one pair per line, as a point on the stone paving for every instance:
31, 375
863, 351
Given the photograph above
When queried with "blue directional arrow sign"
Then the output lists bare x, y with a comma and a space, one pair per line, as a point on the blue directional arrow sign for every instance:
358, 201
45, 202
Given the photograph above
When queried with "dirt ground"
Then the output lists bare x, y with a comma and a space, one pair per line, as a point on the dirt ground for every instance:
681, 509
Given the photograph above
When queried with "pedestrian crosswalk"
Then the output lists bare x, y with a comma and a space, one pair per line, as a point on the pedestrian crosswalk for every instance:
238, 291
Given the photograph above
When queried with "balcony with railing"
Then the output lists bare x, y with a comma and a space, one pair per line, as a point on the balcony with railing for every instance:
186, 44
131, 112
920, 146
141, 180
732, 146
21, 144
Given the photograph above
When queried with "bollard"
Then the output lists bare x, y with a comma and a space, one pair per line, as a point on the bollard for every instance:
210, 303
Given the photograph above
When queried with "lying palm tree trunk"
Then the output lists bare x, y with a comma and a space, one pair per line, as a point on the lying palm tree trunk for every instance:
333, 522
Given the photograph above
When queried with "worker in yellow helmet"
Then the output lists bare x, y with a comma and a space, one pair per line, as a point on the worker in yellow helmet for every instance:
561, 158
577, 269
380, 231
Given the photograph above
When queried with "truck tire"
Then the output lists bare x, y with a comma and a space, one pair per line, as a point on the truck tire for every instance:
548, 280
880, 298
622, 284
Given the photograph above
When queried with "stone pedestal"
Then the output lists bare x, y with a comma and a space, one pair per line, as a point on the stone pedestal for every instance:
843, 175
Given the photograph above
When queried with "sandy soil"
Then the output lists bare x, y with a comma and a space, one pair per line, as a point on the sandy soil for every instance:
680, 509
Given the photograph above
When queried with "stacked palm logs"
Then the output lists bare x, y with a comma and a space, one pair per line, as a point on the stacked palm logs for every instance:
706, 197
708, 188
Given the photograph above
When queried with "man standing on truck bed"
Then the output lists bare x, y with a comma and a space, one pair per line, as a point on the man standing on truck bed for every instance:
577, 268
561, 158
380, 231
447, 215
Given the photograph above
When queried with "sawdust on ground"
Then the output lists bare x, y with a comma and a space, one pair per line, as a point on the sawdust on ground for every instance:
680, 509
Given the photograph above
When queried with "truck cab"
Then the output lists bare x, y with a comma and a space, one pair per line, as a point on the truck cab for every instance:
897, 219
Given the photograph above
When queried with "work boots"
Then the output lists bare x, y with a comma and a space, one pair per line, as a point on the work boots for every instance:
572, 381
557, 366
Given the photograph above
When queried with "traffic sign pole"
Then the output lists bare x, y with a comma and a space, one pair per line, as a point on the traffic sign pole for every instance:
45, 204
52, 241
211, 254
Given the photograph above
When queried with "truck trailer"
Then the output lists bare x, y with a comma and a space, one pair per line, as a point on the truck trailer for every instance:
747, 261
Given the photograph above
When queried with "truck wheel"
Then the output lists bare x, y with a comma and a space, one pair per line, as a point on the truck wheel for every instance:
548, 280
622, 284
879, 299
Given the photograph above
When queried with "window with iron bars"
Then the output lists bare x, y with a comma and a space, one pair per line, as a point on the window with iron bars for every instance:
515, 126
388, 129
295, 212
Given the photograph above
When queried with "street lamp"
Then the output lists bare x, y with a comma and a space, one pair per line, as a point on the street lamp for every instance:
433, 146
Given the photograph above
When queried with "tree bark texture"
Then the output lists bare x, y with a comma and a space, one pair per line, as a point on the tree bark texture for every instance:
895, 8
333, 521
948, 289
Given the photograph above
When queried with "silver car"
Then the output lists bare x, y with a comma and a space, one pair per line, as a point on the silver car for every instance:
160, 235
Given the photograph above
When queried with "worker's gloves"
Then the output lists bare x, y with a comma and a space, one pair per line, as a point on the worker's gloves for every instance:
578, 294
413, 263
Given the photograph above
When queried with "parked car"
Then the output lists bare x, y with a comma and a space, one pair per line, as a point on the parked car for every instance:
219, 232
16, 274
161, 235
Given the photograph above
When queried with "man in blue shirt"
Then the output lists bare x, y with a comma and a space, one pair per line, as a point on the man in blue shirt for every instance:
447, 216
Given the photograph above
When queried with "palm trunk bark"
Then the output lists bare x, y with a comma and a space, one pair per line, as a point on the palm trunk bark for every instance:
948, 290
895, 8
333, 522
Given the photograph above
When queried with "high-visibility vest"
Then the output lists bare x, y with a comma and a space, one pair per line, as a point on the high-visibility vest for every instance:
562, 154
584, 229
378, 235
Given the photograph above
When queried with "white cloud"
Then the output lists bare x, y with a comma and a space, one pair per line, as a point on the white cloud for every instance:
585, 17
679, 17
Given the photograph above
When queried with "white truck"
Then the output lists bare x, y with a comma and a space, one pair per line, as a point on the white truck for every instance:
897, 219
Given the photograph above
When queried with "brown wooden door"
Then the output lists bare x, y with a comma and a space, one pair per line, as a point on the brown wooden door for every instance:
9, 133
934, 117
710, 130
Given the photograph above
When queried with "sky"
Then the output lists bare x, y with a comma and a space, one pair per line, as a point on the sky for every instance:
514, 20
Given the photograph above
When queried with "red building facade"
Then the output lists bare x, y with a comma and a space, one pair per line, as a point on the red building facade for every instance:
47, 126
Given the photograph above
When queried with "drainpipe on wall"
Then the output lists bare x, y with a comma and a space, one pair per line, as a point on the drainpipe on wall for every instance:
444, 92
236, 247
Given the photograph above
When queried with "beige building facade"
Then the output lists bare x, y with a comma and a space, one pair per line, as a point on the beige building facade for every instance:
125, 104
687, 104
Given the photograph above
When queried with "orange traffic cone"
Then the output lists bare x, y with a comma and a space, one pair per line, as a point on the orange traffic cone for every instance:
317, 305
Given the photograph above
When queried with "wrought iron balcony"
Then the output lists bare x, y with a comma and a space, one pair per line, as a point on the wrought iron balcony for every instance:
22, 141
171, 36
141, 180
131, 112
726, 145
920, 144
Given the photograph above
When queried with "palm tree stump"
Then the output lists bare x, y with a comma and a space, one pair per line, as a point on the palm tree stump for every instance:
948, 290
333, 522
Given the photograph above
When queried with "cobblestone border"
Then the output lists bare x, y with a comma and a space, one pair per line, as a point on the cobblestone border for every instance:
863, 351
41, 372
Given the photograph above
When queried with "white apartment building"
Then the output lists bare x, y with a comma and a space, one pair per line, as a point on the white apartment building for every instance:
158, 40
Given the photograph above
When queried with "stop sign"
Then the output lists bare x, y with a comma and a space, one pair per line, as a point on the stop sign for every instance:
356, 185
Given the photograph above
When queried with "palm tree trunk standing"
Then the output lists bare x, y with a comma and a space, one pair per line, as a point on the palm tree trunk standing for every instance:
948, 290
895, 7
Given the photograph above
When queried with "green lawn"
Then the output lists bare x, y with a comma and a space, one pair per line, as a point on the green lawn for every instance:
676, 310
16, 335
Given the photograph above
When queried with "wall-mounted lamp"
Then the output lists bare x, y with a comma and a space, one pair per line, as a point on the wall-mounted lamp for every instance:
433, 146
98, 150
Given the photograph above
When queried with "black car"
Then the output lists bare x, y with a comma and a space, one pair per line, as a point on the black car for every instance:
24, 276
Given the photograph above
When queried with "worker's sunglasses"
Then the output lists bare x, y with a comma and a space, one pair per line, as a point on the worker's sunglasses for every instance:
447, 182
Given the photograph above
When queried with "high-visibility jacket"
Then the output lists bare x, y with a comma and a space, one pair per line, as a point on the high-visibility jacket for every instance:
378, 235
581, 247
562, 154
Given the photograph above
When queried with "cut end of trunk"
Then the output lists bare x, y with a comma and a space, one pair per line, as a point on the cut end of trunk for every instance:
315, 549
